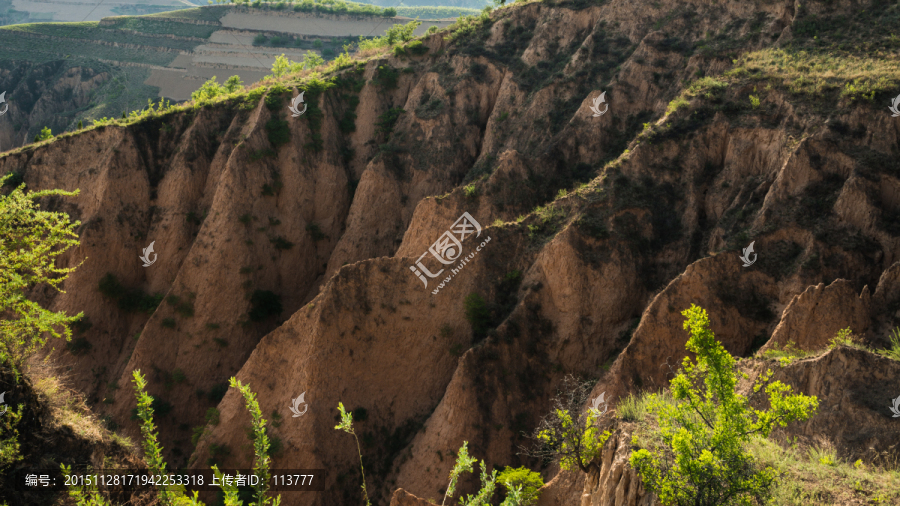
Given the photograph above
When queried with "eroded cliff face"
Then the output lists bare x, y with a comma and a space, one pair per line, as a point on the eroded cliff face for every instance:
496, 123
42, 91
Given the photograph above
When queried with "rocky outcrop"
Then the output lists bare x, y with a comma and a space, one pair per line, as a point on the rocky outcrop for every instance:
616, 483
814, 317
854, 389
403, 498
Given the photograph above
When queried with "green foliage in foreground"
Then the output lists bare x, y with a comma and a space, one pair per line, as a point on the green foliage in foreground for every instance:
698, 456
567, 432
260, 449
30, 242
346, 425
522, 486
177, 495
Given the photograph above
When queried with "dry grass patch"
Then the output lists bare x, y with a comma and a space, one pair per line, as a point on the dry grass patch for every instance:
812, 73
67, 406
816, 475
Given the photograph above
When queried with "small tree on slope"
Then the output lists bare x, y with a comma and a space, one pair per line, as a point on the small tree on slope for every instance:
698, 456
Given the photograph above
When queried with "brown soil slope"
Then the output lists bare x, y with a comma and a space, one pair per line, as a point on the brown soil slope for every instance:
496, 123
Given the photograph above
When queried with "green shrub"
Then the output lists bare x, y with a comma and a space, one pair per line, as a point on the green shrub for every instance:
477, 314
387, 120
394, 35
463, 464
217, 392
524, 479
315, 232
698, 455
168, 323
485, 493
128, 299
45, 135
278, 131
212, 89
216, 453
263, 304
842, 338
183, 307
568, 433
754, 101
79, 346
894, 351
386, 77
281, 243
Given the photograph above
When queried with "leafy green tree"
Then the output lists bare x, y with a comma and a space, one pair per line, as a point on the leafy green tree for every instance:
569, 433
401, 33
700, 455
525, 480
30, 242
312, 60
390, 12
45, 135
284, 66
80, 124
233, 84
209, 90
346, 425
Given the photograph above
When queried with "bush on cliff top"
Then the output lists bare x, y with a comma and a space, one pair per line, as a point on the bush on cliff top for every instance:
698, 455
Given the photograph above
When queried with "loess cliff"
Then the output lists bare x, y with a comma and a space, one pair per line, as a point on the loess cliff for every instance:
285, 245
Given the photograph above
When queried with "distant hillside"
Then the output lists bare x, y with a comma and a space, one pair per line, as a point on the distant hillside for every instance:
35, 11
57, 74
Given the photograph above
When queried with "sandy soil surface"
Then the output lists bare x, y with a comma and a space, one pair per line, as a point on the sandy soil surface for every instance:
319, 26
232, 37
239, 51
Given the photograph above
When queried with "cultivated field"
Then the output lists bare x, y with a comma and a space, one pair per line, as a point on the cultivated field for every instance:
312, 25
88, 10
